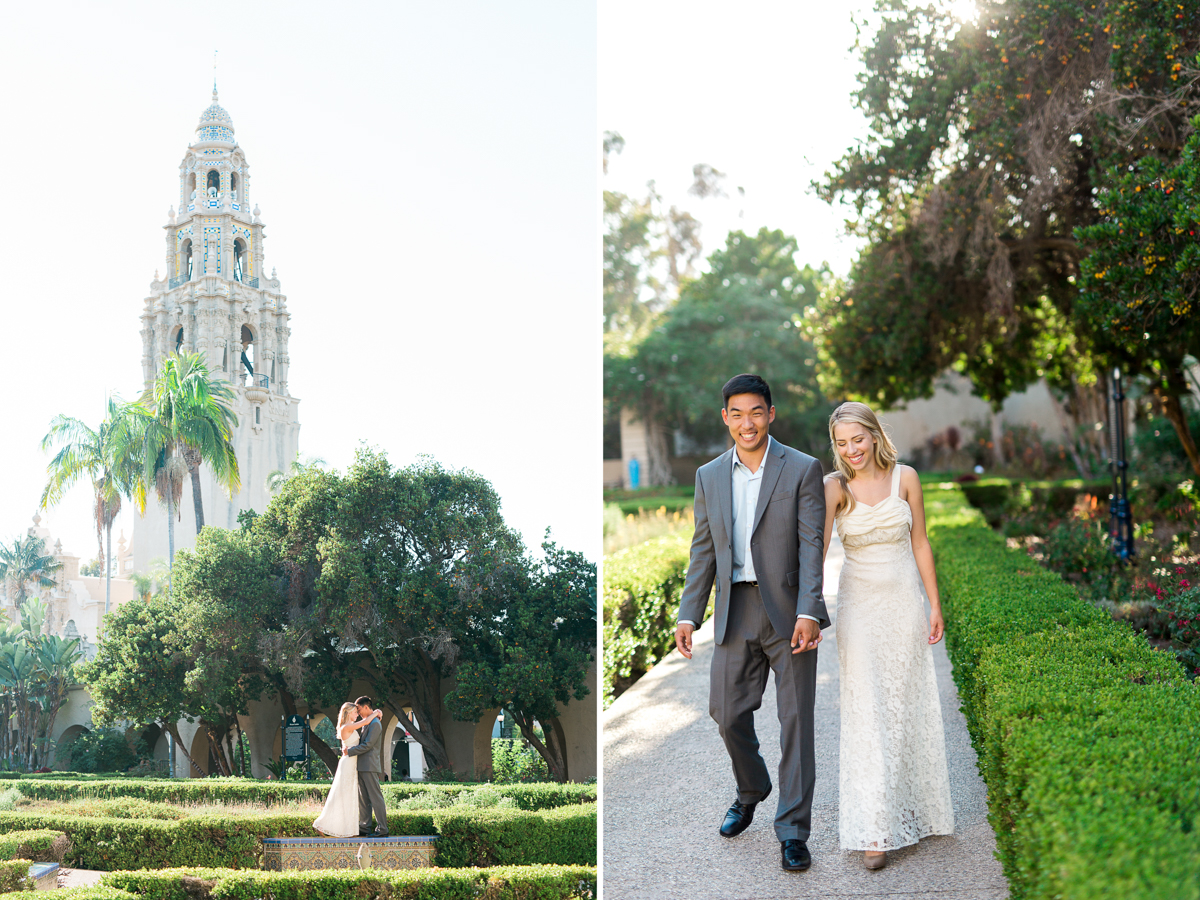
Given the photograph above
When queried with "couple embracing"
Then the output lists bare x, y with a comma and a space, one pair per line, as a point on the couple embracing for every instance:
355, 792
764, 516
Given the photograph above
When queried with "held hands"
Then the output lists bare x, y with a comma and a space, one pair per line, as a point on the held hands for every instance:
936, 626
683, 639
806, 636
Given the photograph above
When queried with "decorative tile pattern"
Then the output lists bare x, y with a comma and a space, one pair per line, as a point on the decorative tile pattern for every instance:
44, 876
301, 854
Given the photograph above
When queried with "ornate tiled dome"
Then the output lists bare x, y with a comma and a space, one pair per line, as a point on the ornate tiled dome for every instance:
215, 124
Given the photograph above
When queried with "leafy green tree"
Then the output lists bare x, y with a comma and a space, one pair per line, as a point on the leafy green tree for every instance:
987, 145
140, 672
26, 563
1141, 280
188, 421
109, 457
533, 651
743, 315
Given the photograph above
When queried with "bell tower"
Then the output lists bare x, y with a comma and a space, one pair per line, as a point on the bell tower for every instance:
217, 300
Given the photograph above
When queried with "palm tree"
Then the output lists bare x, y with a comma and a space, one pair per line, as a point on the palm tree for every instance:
277, 477
187, 419
24, 562
109, 456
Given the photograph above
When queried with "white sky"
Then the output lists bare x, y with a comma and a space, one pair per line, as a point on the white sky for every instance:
428, 174
758, 90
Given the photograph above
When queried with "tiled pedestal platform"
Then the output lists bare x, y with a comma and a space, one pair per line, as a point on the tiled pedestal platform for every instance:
44, 876
300, 854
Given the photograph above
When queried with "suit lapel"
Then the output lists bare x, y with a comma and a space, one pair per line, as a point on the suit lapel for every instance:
773, 462
725, 491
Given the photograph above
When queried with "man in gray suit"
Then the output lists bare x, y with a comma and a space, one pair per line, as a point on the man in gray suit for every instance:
370, 797
760, 519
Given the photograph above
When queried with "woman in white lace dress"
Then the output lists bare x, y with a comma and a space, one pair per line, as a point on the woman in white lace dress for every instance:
339, 818
894, 786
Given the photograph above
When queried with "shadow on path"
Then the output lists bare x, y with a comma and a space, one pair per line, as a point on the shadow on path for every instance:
668, 782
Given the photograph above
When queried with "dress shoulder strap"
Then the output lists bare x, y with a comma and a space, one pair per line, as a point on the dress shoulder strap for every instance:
896, 480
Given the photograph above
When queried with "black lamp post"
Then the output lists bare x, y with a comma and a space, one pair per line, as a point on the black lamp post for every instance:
1121, 528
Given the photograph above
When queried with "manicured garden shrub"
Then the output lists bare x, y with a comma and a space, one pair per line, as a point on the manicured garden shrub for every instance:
1088, 738
493, 837
641, 599
39, 845
562, 836
13, 873
546, 795
88, 892
499, 883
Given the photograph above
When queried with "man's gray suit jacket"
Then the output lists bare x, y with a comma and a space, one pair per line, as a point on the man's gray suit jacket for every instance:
786, 541
367, 749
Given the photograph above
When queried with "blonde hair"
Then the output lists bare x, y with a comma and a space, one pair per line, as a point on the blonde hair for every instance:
344, 713
885, 452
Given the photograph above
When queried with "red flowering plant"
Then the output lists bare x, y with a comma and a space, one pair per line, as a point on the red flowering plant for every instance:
1175, 590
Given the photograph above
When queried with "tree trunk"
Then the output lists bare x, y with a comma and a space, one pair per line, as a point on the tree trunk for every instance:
551, 750
197, 500
216, 742
998, 439
1169, 395
1066, 422
108, 570
324, 752
174, 731
170, 543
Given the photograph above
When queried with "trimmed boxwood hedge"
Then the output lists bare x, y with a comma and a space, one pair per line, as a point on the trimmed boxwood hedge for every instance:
537, 796
641, 600
87, 892
563, 836
13, 873
35, 844
1088, 738
499, 883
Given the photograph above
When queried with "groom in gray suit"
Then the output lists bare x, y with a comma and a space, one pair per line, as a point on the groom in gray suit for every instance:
370, 797
760, 519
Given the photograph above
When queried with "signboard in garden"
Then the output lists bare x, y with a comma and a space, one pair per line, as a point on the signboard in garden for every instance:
295, 739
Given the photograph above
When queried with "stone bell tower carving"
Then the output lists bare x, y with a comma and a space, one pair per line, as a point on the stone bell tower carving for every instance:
217, 300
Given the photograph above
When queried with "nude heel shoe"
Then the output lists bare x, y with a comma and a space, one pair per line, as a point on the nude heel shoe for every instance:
874, 859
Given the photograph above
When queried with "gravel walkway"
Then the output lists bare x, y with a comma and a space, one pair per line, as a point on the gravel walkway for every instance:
668, 782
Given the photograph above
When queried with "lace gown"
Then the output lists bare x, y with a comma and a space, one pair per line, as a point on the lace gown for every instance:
339, 818
894, 787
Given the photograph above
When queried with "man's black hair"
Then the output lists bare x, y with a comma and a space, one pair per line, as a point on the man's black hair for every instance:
363, 701
746, 384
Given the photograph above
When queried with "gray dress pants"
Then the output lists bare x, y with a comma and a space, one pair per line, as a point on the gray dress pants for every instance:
752, 648
370, 799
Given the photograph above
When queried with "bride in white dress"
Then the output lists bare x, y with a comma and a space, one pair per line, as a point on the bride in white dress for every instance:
894, 785
339, 818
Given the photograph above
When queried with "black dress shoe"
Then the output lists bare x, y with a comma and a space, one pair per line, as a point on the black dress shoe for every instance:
380, 834
737, 819
796, 857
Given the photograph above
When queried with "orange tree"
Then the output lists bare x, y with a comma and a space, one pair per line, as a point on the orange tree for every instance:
1141, 279
988, 144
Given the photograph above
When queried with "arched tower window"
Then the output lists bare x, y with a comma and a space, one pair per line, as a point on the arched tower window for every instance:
214, 182
186, 261
179, 339
191, 186
233, 182
248, 354
239, 260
